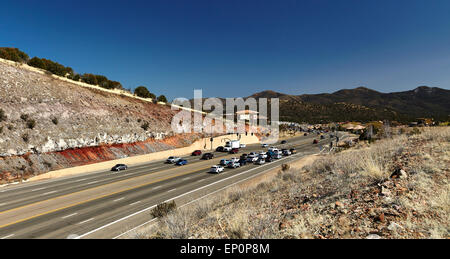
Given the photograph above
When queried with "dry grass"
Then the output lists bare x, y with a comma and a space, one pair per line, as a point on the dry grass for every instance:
350, 194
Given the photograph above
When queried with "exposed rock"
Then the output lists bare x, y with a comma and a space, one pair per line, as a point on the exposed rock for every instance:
373, 236
394, 226
399, 173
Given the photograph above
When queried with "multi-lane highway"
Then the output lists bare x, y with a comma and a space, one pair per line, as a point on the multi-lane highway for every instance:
107, 204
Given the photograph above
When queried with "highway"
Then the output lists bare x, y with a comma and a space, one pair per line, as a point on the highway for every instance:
106, 204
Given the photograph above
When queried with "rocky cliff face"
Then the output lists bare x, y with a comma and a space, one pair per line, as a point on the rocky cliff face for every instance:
42, 117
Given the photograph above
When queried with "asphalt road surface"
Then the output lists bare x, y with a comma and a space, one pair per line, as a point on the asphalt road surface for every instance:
108, 204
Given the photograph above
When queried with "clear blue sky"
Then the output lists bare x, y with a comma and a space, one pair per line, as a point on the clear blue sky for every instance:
233, 48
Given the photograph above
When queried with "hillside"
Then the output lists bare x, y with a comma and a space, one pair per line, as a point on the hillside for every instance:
47, 123
393, 189
363, 104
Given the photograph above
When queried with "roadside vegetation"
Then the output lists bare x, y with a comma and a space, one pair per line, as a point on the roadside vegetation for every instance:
396, 187
55, 68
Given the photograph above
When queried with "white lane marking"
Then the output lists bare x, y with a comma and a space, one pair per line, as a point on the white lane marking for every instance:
1, 204
201, 180
82, 222
93, 182
38, 189
157, 187
172, 190
73, 214
7, 236
153, 206
49, 192
134, 203
119, 199
223, 188
81, 180
186, 178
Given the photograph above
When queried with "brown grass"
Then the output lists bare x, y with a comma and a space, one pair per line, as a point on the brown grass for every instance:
350, 194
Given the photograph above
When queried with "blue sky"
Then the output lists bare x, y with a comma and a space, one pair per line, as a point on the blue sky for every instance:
236, 47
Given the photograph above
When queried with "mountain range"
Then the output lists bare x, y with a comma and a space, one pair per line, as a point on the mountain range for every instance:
363, 104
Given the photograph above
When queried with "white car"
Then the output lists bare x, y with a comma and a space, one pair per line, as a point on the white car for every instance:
234, 160
264, 145
273, 149
226, 149
216, 169
242, 145
252, 159
234, 165
252, 154
263, 155
260, 161
277, 156
172, 159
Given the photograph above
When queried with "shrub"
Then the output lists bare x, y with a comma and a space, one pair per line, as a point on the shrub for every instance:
74, 77
415, 131
3, 116
89, 79
31, 123
36, 62
55, 121
163, 209
51, 66
285, 167
24, 117
26, 137
145, 126
13, 54
143, 92
162, 98
1, 129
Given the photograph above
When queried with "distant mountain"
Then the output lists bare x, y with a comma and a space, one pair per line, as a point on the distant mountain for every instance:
363, 104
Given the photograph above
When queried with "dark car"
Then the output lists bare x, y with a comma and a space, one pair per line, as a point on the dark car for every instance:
315, 141
306, 134
219, 149
283, 142
244, 156
242, 161
182, 162
269, 159
293, 150
196, 153
208, 156
119, 167
322, 137
234, 151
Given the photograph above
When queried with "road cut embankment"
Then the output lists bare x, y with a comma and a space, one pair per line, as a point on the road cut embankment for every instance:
202, 144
